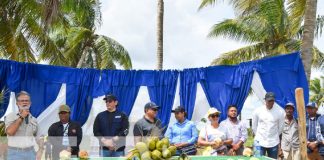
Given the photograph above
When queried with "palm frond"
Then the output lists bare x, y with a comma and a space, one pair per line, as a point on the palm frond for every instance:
247, 53
111, 51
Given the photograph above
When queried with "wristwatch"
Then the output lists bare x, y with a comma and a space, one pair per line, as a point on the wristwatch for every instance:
20, 116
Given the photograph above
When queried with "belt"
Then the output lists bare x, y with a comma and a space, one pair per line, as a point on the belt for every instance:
21, 149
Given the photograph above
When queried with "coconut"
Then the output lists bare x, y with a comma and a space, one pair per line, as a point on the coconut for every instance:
166, 153
166, 142
151, 143
146, 156
173, 150
159, 145
141, 147
247, 152
218, 143
156, 155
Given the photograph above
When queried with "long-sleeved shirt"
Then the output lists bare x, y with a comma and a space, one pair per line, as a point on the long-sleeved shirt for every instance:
182, 132
290, 137
268, 125
237, 131
56, 136
109, 124
313, 129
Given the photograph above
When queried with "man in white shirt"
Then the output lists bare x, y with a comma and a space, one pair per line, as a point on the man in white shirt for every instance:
267, 125
235, 129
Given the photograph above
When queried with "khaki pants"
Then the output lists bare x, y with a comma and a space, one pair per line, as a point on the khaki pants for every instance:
291, 155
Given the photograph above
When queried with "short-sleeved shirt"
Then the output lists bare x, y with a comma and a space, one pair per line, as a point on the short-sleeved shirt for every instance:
209, 133
144, 127
237, 131
26, 133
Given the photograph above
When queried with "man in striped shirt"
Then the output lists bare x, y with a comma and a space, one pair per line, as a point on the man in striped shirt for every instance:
313, 131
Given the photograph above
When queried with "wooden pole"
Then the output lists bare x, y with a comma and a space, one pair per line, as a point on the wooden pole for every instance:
299, 94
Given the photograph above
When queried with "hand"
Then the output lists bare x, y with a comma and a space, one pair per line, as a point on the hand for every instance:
108, 143
24, 113
280, 153
39, 154
313, 146
40, 142
235, 147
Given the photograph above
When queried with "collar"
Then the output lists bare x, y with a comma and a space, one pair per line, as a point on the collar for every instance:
184, 122
155, 119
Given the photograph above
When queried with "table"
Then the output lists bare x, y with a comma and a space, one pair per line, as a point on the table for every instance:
192, 158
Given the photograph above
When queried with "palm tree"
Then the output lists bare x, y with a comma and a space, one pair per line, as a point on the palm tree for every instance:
308, 36
83, 47
297, 12
267, 28
32, 30
160, 13
316, 88
21, 31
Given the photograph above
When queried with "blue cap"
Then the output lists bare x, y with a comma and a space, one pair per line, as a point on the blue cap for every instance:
311, 104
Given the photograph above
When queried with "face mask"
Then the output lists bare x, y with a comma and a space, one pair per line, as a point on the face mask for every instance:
24, 107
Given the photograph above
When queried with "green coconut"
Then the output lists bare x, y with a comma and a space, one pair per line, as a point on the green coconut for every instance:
166, 142
156, 154
173, 150
159, 145
151, 143
166, 153
141, 147
146, 156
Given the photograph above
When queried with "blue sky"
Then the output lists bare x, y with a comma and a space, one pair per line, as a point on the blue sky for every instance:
133, 24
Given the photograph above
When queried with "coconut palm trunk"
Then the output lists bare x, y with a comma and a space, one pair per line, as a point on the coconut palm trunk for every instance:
308, 36
160, 12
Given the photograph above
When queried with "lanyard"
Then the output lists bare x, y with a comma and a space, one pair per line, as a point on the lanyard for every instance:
65, 128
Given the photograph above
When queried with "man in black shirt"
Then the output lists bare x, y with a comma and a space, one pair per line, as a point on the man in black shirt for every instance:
111, 127
65, 134
149, 125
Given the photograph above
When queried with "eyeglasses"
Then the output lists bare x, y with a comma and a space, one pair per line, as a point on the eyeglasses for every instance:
214, 115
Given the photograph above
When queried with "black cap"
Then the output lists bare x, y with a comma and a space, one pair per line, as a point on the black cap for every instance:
151, 105
269, 96
178, 109
110, 97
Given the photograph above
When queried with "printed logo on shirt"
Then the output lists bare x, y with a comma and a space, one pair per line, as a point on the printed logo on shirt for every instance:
73, 131
117, 116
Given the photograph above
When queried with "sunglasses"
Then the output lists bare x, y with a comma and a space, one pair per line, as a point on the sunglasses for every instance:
214, 115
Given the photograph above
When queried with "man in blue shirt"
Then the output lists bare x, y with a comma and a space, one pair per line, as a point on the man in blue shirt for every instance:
313, 131
182, 134
111, 127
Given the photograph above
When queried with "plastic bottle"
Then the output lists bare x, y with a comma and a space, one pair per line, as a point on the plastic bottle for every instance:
257, 149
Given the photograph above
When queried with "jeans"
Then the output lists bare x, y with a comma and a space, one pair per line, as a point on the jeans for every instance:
14, 154
109, 153
271, 152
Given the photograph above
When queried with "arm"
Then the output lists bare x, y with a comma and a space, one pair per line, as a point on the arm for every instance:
125, 126
53, 137
96, 128
79, 134
194, 135
168, 133
13, 122
137, 132
255, 120
203, 142
281, 122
